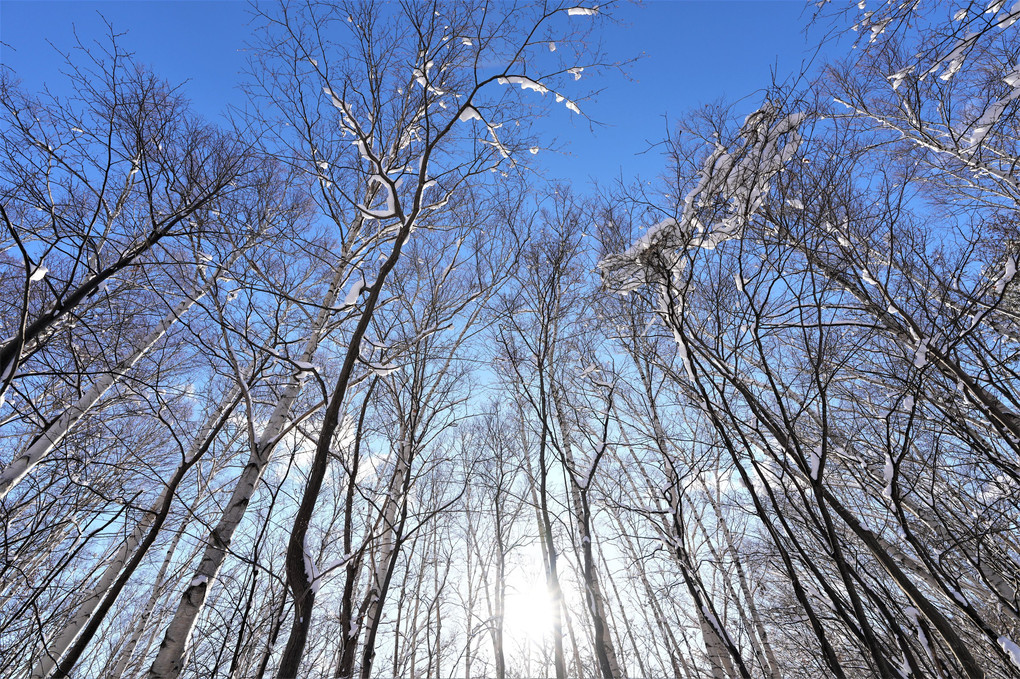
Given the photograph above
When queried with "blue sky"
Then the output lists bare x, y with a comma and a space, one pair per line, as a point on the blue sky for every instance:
696, 51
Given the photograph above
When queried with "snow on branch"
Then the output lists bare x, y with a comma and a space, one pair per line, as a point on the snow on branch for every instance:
732, 182
991, 115
469, 113
38, 273
1009, 272
390, 210
527, 83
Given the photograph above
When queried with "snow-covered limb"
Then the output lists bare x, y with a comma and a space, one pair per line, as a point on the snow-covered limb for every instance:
311, 570
390, 210
469, 113
357, 287
867, 277
1007, 276
994, 111
1011, 648
527, 83
888, 475
382, 370
38, 273
816, 462
921, 353
732, 186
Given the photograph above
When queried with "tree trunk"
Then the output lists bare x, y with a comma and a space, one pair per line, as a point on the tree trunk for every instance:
141, 626
170, 659
48, 439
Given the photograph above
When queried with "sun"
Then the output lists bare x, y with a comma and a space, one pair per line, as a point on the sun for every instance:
528, 612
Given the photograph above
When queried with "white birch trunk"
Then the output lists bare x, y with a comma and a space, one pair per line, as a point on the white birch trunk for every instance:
44, 444
170, 659
718, 656
66, 636
126, 653
388, 544
593, 588
32, 562
761, 637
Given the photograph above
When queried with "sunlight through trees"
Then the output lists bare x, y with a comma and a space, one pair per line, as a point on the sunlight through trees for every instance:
346, 388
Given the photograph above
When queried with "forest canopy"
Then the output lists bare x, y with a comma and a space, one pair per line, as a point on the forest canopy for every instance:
344, 386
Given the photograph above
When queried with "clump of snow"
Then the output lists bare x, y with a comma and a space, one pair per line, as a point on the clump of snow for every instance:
383, 369
731, 188
39, 273
354, 293
199, 581
525, 82
878, 28
1013, 77
912, 613
1011, 649
362, 148
311, 570
583, 11
390, 210
991, 115
897, 78
685, 356
469, 113
956, 56
1007, 275
1011, 18
816, 463
958, 596
888, 473
921, 354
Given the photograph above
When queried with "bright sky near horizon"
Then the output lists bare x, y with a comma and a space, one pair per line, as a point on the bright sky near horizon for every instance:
695, 52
